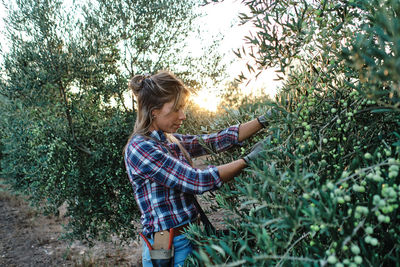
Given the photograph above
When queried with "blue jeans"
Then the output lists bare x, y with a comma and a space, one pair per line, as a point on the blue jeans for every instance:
182, 248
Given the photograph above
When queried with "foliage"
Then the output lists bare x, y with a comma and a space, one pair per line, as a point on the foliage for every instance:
326, 189
65, 118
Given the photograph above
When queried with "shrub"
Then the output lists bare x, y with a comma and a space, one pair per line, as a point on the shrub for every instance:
326, 189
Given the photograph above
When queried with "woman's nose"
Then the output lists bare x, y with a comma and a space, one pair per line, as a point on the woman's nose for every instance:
182, 115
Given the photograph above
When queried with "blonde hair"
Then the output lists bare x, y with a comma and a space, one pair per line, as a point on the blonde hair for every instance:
152, 92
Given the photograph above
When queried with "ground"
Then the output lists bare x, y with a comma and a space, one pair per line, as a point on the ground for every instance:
28, 238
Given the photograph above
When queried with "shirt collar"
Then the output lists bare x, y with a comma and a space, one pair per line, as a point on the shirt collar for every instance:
158, 135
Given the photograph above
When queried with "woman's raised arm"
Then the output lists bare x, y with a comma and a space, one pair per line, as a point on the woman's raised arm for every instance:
247, 129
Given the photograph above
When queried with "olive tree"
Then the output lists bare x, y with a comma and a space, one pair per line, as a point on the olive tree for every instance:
66, 118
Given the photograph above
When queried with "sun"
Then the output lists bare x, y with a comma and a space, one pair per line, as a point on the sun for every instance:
206, 99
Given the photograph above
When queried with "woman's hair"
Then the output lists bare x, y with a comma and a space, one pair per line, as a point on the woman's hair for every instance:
152, 92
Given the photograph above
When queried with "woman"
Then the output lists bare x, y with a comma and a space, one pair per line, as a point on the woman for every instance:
158, 161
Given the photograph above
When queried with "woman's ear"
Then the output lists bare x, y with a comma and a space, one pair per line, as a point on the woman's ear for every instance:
154, 113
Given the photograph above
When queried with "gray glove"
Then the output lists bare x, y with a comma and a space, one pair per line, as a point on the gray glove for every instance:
263, 119
271, 113
255, 151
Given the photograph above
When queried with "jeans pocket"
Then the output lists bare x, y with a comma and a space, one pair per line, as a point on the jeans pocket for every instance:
146, 260
183, 247
181, 242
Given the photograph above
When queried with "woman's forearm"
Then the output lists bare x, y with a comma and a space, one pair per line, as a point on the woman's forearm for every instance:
248, 129
228, 171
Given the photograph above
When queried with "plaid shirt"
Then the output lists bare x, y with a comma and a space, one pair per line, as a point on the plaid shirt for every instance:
162, 182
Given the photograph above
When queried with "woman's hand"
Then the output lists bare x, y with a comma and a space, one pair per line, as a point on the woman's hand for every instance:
255, 151
228, 171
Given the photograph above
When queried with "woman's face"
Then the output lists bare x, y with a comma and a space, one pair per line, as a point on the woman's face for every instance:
168, 119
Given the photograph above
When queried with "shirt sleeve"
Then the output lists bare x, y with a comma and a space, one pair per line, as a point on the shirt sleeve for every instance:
198, 145
149, 161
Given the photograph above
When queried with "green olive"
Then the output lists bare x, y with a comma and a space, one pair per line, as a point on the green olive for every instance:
374, 241
369, 230
358, 260
367, 155
332, 259
355, 249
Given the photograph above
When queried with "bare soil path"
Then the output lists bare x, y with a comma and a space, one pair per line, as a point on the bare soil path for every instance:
30, 239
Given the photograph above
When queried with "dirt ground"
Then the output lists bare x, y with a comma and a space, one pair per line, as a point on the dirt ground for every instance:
30, 239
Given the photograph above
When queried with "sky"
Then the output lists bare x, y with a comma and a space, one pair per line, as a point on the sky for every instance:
2, 16
220, 17
223, 17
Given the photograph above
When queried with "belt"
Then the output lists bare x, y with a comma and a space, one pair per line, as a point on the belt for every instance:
163, 241
180, 229
177, 230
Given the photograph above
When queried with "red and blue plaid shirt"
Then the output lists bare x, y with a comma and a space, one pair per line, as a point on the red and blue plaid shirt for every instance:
162, 182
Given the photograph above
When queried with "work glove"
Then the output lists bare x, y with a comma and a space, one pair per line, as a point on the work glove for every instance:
255, 151
271, 113
263, 119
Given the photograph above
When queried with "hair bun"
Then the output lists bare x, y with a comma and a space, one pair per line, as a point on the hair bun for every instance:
135, 84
